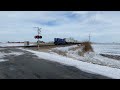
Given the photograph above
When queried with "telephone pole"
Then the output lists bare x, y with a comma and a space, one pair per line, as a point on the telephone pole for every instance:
39, 32
89, 37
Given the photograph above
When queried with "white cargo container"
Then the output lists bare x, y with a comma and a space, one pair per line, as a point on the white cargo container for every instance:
26, 43
69, 40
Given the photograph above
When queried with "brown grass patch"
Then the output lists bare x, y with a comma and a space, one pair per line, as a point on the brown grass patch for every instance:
87, 46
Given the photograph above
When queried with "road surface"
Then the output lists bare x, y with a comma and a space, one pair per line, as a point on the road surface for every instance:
29, 66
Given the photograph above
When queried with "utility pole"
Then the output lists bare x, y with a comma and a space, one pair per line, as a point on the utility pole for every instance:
89, 37
39, 32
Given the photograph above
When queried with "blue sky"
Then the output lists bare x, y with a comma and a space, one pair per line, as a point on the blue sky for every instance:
104, 26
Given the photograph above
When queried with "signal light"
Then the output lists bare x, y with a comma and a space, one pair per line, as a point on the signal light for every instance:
40, 36
37, 37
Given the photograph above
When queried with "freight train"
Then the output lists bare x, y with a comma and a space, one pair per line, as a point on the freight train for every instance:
59, 41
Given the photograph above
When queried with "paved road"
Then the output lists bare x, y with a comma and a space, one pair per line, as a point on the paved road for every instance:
29, 66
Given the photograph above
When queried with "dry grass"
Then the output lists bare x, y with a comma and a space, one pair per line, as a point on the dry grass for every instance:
87, 46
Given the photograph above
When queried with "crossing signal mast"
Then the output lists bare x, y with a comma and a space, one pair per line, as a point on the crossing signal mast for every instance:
38, 36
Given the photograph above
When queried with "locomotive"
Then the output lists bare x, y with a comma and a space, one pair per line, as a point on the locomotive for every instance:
59, 41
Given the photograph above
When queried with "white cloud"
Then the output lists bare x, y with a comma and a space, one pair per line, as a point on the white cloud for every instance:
18, 25
80, 12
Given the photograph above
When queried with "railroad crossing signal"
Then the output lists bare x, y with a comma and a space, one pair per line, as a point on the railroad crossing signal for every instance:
38, 36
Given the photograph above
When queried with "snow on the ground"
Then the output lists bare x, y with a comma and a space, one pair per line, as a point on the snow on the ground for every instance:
2, 55
65, 48
101, 60
70, 51
15, 53
3, 60
2, 48
91, 57
88, 67
111, 49
13, 44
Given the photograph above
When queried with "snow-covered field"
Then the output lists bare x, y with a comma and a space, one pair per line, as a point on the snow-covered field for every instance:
13, 44
85, 66
113, 49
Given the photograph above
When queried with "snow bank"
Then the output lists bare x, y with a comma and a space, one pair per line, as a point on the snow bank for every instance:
88, 67
90, 57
